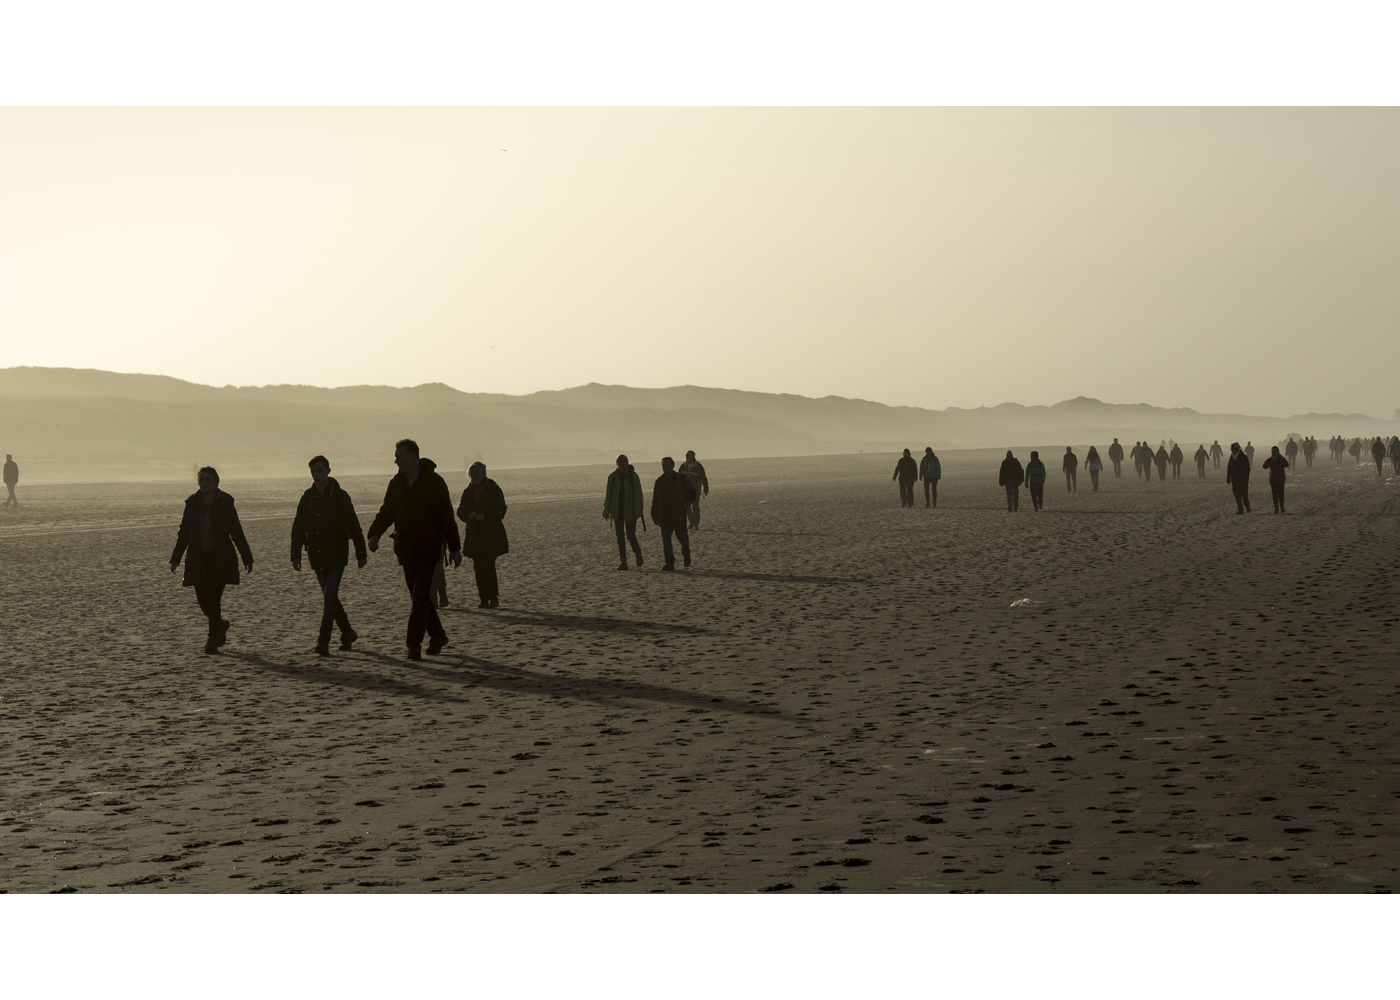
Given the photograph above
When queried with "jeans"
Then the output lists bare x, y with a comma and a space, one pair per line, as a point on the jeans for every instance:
1071, 481
1013, 497
667, 552
1094, 478
1037, 494
332, 611
906, 493
1277, 490
487, 585
631, 527
209, 591
424, 617
931, 492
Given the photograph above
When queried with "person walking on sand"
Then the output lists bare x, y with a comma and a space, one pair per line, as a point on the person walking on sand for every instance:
1011, 476
1378, 453
11, 480
419, 509
209, 534
1216, 453
1177, 458
1237, 477
906, 470
1035, 481
1162, 458
482, 510
930, 471
670, 495
695, 472
622, 505
1249, 451
325, 525
1395, 454
1137, 458
1115, 455
1276, 463
1200, 457
1290, 451
1094, 464
1070, 467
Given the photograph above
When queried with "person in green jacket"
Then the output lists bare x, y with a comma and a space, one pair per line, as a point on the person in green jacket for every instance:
623, 506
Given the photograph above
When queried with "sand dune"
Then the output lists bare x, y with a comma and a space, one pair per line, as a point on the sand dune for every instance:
838, 697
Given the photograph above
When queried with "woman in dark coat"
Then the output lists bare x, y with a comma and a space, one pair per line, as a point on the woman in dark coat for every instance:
482, 508
209, 533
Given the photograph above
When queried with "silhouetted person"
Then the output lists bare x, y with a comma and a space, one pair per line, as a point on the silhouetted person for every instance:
1200, 457
1395, 454
1309, 450
1237, 477
1216, 453
670, 495
325, 525
1115, 455
1355, 450
1378, 453
930, 471
419, 508
623, 506
1070, 467
209, 534
695, 472
1035, 480
483, 510
1011, 476
1161, 458
1249, 451
1176, 458
1276, 463
11, 479
1094, 464
1290, 451
1137, 458
906, 470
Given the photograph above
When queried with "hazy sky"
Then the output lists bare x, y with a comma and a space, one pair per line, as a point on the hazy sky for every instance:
1226, 260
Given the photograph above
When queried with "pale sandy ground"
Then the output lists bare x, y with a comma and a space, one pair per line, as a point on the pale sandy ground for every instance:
837, 696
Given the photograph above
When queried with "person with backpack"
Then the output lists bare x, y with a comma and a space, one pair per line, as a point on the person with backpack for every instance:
1011, 476
930, 471
325, 525
1035, 480
622, 504
482, 510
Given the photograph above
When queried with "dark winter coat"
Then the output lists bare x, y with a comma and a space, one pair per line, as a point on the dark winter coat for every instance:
325, 525
906, 470
228, 533
1161, 458
421, 516
1070, 462
1011, 473
671, 494
486, 538
1276, 464
1115, 452
1176, 456
1237, 471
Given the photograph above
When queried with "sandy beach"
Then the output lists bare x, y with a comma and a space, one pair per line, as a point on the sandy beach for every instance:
837, 697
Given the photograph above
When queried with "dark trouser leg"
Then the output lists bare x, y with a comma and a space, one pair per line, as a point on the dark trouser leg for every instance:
1277, 490
424, 617
1094, 478
209, 591
1037, 495
934, 484
439, 582
1117, 470
1013, 497
9, 500
332, 612
692, 512
621, 544
906, 493
668, 554
487, 585
928, 492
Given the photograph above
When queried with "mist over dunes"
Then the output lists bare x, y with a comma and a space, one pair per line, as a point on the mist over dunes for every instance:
87, 424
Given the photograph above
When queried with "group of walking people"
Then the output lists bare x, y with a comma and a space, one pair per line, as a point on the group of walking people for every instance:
675, 507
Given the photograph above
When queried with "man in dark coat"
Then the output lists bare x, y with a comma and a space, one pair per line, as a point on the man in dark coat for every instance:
1070, 467
419, 508
906, 470
1162, 458
1216, 453
482, 510
670, 495
1176, 458
1378, 453
1011, 476
325, 526
1237, 476
209, 534
695, 472
1115, 455
1200, 457
11, 479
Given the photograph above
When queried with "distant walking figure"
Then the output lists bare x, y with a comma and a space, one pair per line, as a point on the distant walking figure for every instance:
1035, 481
1162, 458
1176, 458
906, 470
11, 478
1355, 450
209, 533
695, 472
1216, 453
1290, 451
1137, 458
930, 471
1309, 450
1115, 455
1249, 451
622, 505
482, 510
1200, 457
325, 525
1011, 476
1237, 477
1094, 464
419, 508
1276, 463
1070, 467
1378, 453
670, 495
1395, 454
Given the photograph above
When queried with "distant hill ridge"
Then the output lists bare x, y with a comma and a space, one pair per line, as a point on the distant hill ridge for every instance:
110, 417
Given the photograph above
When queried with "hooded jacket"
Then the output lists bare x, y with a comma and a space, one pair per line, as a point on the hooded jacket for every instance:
1201, 455
1237, 471
906, 470
930, 468
623, 500
484, 539
421, 516
325, 525
1276, 463
228, 534
1035, 472
1010, 474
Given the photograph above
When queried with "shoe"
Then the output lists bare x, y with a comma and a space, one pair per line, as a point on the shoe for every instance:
621, 567
486, 604
669, 568
223, 631
323, 646
639, 560
211, 647
347, 639
415, 652
686, 557
495, 602
436, 643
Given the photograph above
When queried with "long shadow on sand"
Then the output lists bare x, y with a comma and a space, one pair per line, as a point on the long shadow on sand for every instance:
621, 626
515, 680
